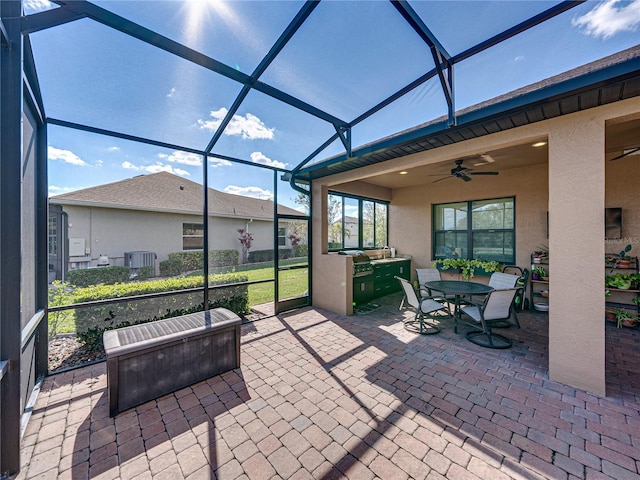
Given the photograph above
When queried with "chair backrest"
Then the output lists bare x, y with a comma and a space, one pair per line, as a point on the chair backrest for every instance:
497, 304
503, 280
427, 275
409, 292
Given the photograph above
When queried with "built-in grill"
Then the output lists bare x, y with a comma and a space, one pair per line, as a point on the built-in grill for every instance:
362, 265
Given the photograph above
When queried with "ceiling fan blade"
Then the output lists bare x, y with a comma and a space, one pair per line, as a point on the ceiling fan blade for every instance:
484, 173
626, 153
464, 177
441, 179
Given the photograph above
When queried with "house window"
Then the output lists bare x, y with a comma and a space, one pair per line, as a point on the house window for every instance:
192, 236
356, 222
282, 237
53, 235
481, 229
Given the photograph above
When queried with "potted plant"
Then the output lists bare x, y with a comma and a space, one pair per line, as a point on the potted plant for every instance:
541, 254
468, 267
537, 273
620, 281
625, 318
621, 260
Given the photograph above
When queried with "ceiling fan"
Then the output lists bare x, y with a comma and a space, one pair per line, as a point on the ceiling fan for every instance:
627, 152
463, 172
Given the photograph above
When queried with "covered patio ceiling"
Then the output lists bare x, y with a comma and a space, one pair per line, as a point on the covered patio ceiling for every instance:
621, 138
323, 81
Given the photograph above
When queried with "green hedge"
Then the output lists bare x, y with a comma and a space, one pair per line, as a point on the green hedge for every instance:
95, 276
182, 262
145, 273
171, 267
258, 256
235, 298
301, 251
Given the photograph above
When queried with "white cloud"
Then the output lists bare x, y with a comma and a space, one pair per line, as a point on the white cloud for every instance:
249, 126
255, 192
352, 210
171, 92
32, 6
259, 157
66, 156
609, 18
519, 58
158, 167
55, 190
114, 149
99, 163
129, 165
183, 157
219, 162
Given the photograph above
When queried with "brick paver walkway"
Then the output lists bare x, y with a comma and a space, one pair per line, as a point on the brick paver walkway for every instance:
323, 396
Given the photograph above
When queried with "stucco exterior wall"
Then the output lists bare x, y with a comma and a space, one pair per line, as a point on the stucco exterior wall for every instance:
411, 210
112, 232
571, 187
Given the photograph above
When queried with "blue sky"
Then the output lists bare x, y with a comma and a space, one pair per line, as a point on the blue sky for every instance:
348, 56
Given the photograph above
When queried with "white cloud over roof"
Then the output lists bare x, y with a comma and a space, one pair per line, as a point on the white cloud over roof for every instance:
157, 167
254, 192
66, 156
184, 158
609, 18
248, 126
259, 157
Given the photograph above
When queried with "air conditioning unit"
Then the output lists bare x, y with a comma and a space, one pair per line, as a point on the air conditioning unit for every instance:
137, 260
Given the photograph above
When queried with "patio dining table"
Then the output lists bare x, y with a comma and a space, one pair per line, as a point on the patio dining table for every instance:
458, 289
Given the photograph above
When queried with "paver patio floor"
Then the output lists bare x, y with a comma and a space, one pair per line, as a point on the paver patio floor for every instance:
323, 396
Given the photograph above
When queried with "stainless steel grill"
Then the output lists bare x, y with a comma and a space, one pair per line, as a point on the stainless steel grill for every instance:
362, 265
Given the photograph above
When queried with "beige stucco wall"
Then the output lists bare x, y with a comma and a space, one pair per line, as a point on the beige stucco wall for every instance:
571, 187
112, 232
411, 208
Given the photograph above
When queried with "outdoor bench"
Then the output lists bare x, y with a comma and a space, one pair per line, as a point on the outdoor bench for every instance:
153, 359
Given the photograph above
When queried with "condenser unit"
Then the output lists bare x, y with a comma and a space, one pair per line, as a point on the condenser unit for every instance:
137, 260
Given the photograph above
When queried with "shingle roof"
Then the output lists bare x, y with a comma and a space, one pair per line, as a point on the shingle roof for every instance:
164, 191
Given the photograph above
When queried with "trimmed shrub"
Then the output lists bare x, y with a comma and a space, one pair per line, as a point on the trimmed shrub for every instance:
301, 251
145, 273
223, 258
234, 297
171, 267
181, 262
259, 256
99, 275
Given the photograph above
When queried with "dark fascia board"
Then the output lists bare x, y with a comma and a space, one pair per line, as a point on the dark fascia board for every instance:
486, 113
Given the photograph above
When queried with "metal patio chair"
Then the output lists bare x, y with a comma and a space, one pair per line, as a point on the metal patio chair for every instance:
501, 281
425, 275
496, 309
424, 307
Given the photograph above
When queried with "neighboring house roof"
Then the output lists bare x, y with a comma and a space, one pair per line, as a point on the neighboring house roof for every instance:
609, 79
166, 192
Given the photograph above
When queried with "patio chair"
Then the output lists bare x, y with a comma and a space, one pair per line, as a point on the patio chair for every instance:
424, 307
432, 275
500, 281
496, 309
